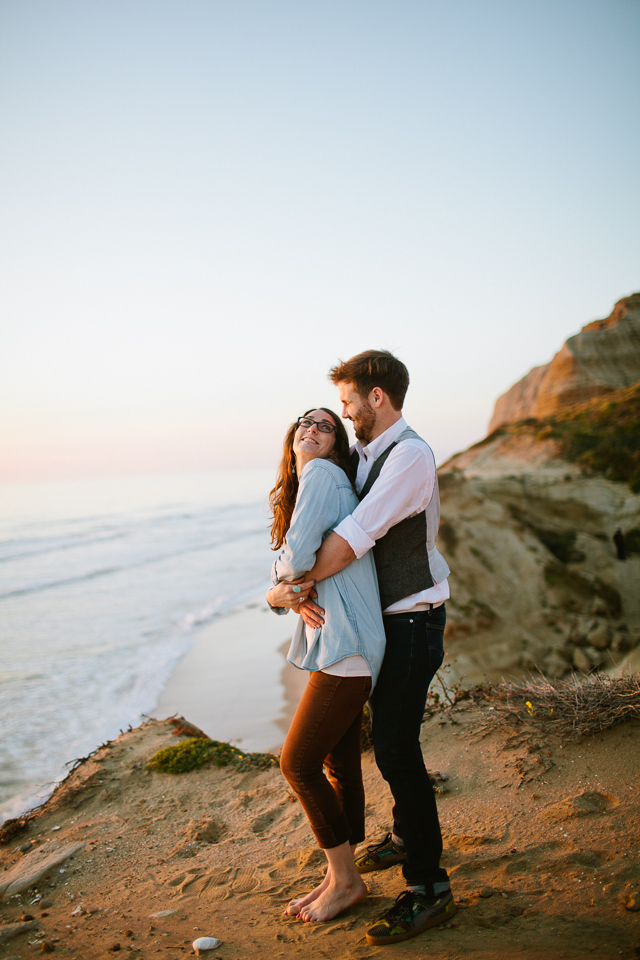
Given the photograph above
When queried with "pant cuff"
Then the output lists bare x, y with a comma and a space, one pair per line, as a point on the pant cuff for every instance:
333, 834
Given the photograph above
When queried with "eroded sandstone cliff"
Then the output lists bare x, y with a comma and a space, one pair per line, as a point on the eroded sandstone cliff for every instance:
603, 357
536, 583
535, 518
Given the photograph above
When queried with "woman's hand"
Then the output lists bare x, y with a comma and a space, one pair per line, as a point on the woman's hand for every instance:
290, 593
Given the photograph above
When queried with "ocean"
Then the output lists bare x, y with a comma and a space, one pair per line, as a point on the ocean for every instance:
102, 585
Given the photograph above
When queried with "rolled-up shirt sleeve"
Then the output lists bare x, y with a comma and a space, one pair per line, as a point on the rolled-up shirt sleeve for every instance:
356, 537
404, 488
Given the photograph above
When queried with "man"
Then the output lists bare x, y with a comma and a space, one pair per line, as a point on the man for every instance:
398, 518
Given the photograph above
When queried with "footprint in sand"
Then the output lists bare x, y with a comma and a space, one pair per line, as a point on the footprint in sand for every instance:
245, 881
184, 878
266, 820
284, 869
209, 830
194, 882
582, 805
218, 893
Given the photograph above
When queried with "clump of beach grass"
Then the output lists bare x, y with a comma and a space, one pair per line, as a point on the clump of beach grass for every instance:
197, 751
574, 707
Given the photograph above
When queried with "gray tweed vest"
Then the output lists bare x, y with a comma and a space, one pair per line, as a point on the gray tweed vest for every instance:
401, 556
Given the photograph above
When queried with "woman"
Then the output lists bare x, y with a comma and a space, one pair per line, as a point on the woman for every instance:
312, 495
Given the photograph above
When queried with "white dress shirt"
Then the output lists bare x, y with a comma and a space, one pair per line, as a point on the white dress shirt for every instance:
403, 489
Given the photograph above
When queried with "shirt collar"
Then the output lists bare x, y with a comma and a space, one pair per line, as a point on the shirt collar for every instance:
380, 444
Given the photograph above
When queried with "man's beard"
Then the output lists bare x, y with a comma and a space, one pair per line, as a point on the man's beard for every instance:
364, 423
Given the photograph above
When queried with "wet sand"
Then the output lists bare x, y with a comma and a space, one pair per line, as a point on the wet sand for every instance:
234, 683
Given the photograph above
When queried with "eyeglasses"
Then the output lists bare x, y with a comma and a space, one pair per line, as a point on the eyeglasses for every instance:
323, 425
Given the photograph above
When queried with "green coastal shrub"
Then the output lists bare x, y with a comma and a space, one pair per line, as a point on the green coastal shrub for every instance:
603, 436
198, 751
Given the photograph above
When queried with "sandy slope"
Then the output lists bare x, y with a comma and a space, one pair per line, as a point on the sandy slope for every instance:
552, 828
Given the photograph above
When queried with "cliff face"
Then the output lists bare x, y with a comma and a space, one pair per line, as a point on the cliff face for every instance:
532, 520
603, 357
535, 580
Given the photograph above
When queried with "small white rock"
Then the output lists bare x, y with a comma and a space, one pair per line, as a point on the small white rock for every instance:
205, 943
77, 912
163, 913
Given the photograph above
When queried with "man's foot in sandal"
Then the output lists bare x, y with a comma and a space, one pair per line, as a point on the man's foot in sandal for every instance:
381, 855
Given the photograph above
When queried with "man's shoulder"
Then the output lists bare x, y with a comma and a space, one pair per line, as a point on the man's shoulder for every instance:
412, 447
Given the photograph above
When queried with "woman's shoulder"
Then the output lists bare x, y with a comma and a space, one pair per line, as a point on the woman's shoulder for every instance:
322, 469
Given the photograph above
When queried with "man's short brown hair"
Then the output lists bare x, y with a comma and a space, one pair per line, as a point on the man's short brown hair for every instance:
374, 368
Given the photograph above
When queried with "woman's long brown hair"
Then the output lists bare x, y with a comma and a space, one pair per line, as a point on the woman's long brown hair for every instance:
283, 496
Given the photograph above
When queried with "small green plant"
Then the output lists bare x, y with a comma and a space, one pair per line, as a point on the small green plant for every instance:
198, 751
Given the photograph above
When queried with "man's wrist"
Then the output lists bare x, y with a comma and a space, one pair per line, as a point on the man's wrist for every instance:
358, 541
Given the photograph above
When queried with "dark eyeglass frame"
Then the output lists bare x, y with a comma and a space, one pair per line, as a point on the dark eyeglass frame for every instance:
323, 425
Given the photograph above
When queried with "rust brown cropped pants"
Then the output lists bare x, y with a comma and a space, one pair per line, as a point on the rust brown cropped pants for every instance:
326, 732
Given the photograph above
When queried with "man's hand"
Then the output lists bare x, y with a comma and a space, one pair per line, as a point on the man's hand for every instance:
290, 593
311, 613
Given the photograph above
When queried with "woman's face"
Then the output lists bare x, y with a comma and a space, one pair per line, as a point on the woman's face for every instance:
309, 442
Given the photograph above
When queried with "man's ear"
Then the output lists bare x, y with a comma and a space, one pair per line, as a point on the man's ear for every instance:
376, 397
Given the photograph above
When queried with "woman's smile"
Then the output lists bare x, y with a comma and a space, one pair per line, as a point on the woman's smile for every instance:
309, 442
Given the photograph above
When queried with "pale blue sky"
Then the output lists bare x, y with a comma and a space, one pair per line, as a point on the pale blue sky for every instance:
206, 203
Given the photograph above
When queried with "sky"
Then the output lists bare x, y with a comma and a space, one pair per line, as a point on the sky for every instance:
207, 203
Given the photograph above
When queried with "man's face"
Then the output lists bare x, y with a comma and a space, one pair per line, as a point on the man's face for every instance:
357, 409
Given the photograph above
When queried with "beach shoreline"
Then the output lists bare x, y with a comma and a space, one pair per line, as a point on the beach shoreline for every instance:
234, 682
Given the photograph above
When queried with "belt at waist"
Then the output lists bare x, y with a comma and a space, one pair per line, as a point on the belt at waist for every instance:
416, 614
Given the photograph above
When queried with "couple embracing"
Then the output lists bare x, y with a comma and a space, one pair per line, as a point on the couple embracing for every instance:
368, 631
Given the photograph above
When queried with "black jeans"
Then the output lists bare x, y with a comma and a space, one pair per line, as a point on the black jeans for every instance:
413, 654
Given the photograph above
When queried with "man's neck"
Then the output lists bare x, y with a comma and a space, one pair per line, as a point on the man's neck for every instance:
383, 423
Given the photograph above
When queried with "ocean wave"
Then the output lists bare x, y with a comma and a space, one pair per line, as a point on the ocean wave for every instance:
147, 561
39, 548
79, 664
19, 676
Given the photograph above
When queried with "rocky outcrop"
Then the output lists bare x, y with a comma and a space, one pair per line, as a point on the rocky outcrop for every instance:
535, 581
603, 357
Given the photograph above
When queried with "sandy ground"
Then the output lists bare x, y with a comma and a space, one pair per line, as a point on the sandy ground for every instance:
549, 830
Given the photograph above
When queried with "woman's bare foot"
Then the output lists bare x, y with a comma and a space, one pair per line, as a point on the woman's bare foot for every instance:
333, 900
295, 905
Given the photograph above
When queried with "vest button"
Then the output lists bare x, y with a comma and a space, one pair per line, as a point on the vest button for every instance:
410, 621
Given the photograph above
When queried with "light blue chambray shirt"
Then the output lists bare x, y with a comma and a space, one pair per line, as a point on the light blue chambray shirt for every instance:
350, 598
